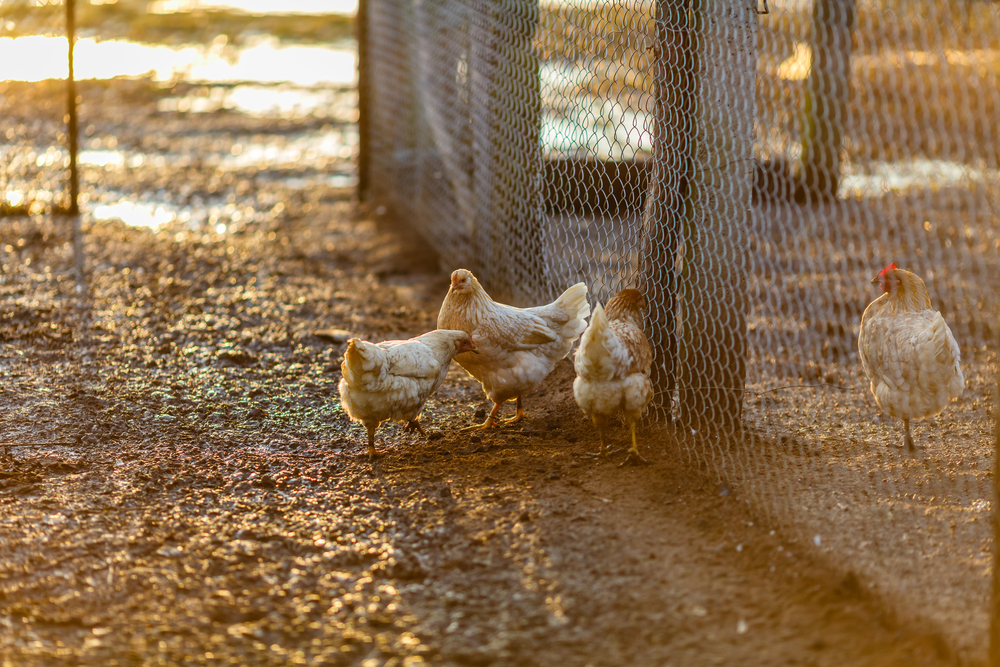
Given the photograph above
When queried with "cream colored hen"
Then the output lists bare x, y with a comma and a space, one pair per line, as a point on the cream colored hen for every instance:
518, 347
393, 379
907, 350
612, 366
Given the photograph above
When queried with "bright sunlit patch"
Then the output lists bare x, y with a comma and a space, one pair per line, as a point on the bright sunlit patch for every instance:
135, 215
14, 197
102, 158
882, 178
796, 66
259, 7
259, 100
264, 60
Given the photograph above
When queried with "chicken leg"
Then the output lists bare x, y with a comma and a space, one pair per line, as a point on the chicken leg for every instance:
518, 416
907, 438
633, 458
599, 423
372, 454
491, 421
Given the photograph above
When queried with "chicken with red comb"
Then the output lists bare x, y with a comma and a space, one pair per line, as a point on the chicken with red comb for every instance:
907, 350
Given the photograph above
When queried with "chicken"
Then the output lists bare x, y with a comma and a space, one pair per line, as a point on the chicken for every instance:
518, 347
908, 351
612, 366
392, 380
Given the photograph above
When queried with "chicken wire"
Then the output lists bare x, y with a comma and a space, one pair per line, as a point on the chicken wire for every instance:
34, 144
751, 167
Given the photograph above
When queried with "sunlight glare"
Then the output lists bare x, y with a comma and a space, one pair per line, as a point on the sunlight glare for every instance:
259, 7
135, 215
37, 58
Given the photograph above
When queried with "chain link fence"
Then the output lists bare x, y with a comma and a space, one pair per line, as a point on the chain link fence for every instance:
751, 166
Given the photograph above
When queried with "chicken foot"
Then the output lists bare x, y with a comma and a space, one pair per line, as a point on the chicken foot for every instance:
491, 421
907, 438
372, 454
599, 423
633, 458
518, 416
413, 425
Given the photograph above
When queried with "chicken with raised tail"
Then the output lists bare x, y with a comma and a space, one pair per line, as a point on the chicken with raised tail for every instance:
907, 350
393, 379
518, 347
612, 366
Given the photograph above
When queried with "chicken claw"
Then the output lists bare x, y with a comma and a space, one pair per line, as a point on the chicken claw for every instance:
633, 458
491, 421
518, 416
372, 453
413, 425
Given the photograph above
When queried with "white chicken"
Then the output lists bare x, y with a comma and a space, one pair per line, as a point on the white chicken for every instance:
612, 366
518, 347
393, 379
908, 351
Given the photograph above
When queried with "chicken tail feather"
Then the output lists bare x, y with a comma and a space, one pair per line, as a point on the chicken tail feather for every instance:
360, 358
593, 359
574, 302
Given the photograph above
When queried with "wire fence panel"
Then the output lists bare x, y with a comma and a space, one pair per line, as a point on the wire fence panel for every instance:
751, 166
34, 145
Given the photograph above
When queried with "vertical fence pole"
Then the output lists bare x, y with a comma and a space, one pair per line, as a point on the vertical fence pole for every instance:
712, 351
364, 119
73, 130
995, 517
827, 91
676, 80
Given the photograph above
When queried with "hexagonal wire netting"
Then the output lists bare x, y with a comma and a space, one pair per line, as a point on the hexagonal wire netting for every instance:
751, 168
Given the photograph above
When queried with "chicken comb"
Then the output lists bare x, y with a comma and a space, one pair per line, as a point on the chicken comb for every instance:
889, 267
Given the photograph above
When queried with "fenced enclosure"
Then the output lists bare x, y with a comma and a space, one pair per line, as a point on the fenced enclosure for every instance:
751, 166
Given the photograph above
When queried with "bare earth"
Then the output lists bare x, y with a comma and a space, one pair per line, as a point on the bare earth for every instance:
215, 506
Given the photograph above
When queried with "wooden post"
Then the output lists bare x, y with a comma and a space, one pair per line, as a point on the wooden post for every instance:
827, 92
364, 102
73, 129
712, 351
995, 518
676, 79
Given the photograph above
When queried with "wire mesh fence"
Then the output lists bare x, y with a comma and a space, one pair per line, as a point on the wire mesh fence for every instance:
751, 166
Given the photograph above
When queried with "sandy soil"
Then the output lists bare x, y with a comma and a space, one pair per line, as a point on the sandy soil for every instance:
213, 504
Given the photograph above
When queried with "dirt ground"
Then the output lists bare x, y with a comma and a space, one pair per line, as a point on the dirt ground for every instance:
214, 505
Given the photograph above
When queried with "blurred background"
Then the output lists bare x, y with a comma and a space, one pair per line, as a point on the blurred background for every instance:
190, 113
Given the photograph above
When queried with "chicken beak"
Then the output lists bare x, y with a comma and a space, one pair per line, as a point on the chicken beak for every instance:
875, 280
474, 350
